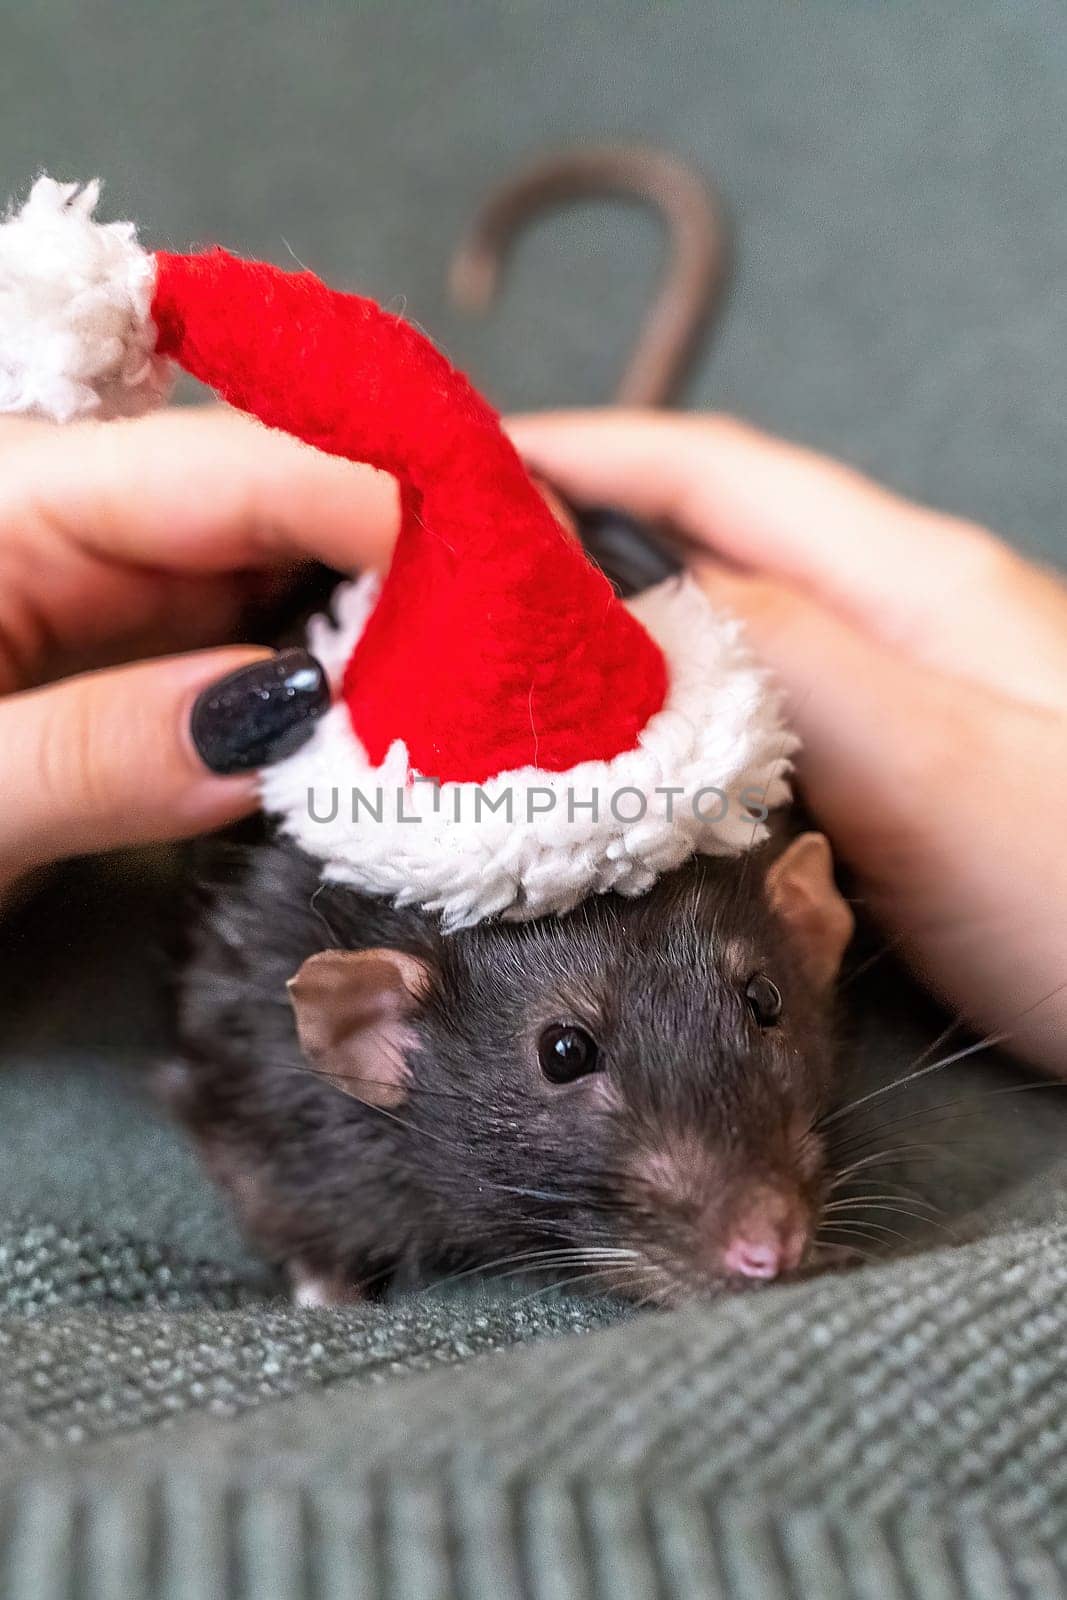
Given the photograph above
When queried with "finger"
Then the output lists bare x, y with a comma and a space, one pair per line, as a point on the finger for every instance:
64, 611
201, 490
131, 539
136, 754
872, 723
941, 588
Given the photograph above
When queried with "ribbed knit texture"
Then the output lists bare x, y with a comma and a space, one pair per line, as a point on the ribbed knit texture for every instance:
897, 1431
404, 1540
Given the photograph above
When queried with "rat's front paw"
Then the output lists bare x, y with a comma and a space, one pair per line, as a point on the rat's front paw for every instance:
317, 1290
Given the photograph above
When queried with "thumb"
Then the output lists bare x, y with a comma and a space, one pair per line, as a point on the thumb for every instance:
137, 754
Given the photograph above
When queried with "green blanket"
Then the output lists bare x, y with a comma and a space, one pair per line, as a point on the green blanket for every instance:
905, 1426
847, 1436
171, 1427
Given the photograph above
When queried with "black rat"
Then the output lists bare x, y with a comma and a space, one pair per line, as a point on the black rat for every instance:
632, 1089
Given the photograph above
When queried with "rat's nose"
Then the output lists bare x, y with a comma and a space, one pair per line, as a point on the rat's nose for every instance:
768, 1239
754, 1258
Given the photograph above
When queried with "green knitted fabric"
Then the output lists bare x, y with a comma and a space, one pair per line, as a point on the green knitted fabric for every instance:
898, 1431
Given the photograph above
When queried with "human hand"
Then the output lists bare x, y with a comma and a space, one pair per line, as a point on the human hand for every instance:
126, 539
925, 667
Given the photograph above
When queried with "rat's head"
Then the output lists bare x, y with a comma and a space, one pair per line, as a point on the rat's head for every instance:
630, 1091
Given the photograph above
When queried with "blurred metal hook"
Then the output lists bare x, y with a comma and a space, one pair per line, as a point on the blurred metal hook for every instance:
690, 287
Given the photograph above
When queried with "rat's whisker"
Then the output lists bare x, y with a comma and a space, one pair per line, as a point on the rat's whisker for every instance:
863, 1186
853, 1249
870, 1200
863, 1206
938, 1155
555, 1196
541, 1260
846, 1226
870, 1223
597, 1273
926, 1114
661, 1285
962, 1106
874, 1157
988, 1043
871, 961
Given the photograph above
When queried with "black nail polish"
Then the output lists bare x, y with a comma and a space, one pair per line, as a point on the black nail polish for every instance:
259, 714
633, 554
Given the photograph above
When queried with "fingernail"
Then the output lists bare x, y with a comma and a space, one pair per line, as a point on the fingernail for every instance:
259, 714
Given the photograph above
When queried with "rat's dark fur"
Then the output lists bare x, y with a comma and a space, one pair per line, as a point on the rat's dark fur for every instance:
486, 1160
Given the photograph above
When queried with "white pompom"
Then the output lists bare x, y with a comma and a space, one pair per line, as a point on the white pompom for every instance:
76, 333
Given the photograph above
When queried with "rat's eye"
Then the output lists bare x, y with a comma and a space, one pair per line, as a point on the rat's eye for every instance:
764, 1000
566, 1052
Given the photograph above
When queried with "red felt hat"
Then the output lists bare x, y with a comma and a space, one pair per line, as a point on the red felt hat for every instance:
494, 643
493, 664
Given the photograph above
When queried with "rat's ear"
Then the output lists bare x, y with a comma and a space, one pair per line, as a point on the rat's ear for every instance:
352, 1009
803, 894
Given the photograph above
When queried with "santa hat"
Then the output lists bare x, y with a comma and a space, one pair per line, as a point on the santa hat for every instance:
508, 736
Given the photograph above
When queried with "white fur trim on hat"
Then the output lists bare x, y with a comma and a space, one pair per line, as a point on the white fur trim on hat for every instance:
445, 848
76, 334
